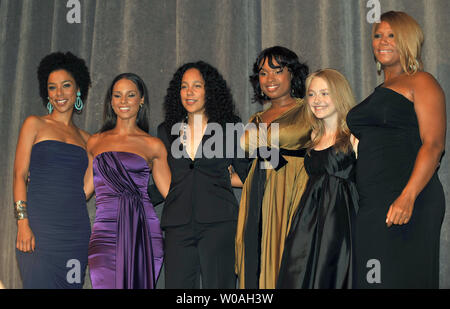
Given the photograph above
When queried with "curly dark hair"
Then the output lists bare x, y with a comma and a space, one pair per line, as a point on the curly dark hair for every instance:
110, 117
219, 105
63, 61
285, 58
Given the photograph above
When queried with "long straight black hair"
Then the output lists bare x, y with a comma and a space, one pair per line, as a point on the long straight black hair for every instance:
110, 117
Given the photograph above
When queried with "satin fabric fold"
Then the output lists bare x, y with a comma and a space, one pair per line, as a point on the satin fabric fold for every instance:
263, 223
254, 222
318, 252
134, 256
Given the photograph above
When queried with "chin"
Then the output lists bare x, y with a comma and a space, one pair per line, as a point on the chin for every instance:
193, 110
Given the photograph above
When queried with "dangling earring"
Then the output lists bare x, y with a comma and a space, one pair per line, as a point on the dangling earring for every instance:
379, 67
415, 66
78, 103
49, 106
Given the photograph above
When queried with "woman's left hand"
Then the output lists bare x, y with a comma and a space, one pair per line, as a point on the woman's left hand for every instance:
400, 211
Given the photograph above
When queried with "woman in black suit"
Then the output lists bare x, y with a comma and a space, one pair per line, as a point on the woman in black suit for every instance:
200, 212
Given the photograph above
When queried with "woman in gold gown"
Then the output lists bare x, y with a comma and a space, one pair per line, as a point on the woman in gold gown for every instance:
272, 191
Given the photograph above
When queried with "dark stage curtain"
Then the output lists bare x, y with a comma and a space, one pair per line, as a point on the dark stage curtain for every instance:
153, 37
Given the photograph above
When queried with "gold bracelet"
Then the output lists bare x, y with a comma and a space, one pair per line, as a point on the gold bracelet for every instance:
20, 210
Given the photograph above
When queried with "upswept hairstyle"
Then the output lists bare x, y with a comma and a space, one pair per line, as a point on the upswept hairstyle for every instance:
285, 58
342, 96
63, 61
409, 38
110, 117
219, 105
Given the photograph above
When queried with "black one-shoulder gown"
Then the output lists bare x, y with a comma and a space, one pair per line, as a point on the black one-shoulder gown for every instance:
400, 256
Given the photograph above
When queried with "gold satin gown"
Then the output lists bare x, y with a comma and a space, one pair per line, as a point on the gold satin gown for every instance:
282, 192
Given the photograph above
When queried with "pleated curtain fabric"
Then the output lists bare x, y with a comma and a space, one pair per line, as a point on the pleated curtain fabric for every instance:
152, 38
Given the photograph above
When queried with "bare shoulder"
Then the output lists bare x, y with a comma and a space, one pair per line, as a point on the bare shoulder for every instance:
84, 134
30, 130
425, 82
32, 125
153, 142
154, 146
426, 91
34, 122
92, 141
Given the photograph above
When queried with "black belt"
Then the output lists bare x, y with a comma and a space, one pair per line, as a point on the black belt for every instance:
300, 153
252, 232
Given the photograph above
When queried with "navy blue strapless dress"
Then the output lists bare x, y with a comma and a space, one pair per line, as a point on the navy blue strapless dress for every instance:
58, 217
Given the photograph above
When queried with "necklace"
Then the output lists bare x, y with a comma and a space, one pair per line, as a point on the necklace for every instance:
184, 132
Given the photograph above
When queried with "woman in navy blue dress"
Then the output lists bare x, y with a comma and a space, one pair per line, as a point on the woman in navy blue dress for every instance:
53, 226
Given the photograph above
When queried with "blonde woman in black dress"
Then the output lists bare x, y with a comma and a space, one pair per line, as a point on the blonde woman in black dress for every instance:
318, 249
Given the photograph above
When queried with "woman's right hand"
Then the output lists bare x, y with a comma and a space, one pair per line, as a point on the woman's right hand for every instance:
33, 124
25, 237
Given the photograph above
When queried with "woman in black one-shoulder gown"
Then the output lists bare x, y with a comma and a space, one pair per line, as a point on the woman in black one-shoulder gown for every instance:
401, 132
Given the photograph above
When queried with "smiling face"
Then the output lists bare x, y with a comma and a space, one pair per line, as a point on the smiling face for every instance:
384, 45
319, 99
275, 82
192, 92
62, 90
126, 99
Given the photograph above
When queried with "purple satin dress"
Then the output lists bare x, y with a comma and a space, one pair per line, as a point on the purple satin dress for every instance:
126, 246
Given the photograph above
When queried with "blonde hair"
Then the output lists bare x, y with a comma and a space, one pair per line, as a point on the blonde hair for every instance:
409, 39
343, 99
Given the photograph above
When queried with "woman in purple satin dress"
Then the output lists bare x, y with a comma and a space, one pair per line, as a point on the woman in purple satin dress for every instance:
126, 246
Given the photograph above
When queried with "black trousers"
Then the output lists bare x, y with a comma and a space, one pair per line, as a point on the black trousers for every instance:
198, 251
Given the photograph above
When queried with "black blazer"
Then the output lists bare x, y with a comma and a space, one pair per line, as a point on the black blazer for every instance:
201, 188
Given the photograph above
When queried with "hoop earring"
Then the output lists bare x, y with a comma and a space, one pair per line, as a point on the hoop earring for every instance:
78, 103
379, 67
49, 106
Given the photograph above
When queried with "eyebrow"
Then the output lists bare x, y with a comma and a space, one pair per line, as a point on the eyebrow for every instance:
272, 69
325, 89
65, 81
195, 81
117, 91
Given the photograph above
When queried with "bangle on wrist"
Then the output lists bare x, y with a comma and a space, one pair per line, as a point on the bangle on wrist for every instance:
20, 210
